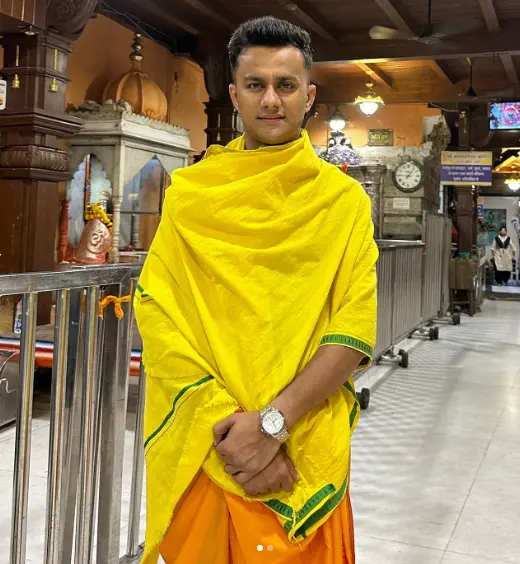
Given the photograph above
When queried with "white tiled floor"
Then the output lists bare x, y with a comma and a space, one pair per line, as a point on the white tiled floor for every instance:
436, 458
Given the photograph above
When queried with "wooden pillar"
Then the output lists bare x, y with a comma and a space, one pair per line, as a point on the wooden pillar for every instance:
466, 196
32, 127
224, 123
466, 206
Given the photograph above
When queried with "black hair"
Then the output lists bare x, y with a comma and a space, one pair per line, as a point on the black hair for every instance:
269, 32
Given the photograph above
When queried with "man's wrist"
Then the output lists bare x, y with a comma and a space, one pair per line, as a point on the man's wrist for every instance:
281, 405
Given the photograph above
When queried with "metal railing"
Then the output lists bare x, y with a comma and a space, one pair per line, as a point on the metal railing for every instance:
89, 398
88, 409
399, 272
436, 278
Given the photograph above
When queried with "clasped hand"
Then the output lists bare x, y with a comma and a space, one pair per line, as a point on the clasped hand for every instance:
257, 462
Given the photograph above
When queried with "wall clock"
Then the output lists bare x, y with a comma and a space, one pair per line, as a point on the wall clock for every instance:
408, 176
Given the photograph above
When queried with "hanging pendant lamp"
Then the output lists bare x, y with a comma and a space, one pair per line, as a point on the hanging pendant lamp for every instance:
369, 102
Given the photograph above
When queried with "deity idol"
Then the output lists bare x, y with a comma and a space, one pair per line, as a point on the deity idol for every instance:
96, 239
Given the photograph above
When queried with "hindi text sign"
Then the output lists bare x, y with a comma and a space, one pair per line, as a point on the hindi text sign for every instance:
463, 168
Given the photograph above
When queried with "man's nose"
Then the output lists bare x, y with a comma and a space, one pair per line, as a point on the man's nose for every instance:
271, 98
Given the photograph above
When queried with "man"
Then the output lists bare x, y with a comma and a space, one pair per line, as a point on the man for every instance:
256, 304
503, 250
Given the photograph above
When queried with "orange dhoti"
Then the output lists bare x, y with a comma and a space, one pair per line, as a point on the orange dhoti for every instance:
212, 526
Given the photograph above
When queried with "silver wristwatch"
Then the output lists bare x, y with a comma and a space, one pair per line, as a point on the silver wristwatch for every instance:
272, 424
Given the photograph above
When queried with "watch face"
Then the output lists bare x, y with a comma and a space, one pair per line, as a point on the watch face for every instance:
273, 422
408, 176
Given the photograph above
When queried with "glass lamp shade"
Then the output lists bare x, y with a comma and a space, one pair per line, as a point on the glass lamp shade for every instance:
337, 122
369, 103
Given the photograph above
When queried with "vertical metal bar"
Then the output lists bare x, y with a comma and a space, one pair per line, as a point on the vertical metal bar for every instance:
394, 294
116, 364
23, 431
53, 537
87, 479
72, 421
97, 441
136, 491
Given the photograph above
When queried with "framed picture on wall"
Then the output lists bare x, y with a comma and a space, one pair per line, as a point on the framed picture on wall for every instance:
492, 221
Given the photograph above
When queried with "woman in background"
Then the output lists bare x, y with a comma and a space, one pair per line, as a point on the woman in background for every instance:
504, 251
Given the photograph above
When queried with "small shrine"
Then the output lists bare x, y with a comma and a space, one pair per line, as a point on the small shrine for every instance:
123, 158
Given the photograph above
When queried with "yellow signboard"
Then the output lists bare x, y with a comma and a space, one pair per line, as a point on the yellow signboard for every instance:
463, 168
473, 158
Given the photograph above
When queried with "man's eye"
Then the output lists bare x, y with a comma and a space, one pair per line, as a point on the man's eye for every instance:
254, 86
287, 86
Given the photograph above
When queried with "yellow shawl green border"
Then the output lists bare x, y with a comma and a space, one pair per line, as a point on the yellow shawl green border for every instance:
258, 262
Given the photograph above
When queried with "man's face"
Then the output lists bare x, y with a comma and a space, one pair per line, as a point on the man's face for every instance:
503, 232
272, 92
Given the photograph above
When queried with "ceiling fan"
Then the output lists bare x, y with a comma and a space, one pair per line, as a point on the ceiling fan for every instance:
471, 94
431, 34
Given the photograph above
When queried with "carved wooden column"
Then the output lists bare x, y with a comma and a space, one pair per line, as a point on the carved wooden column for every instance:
224, 123
64, 231
466, 201
33, 125
466, 220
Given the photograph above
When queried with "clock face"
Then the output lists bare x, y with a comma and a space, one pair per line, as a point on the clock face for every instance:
408, 176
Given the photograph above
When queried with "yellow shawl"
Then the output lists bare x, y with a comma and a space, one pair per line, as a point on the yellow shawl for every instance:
260, 257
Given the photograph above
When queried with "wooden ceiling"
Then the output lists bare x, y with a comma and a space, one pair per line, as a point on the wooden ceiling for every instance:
403, 70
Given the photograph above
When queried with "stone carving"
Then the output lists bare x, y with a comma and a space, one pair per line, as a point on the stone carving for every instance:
35, 156
372, 178
70, 16
91, 111
439, 137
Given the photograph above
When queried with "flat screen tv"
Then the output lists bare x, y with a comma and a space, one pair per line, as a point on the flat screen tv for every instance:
505, 115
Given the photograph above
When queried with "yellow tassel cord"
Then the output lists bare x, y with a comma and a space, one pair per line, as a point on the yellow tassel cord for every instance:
118, 309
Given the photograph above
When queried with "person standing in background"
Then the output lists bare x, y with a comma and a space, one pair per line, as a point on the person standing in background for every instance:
504, 251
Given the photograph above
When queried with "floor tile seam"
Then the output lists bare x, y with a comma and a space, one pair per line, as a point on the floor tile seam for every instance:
415, 545
484, 559
475, 478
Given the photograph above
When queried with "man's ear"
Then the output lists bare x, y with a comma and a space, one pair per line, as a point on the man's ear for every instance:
233, 94
311, 96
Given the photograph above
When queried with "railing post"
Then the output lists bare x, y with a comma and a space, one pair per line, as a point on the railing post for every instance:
54, 524
22, 456
89, 411
116, 364
72, 422
136, 491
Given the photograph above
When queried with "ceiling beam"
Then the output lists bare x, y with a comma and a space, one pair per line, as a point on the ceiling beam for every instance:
155, 10
376, 74
402, 25
509, 66
490, 15
478, 44
439, 69
210, 13
394, 16
302, 13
